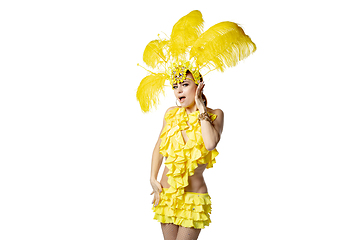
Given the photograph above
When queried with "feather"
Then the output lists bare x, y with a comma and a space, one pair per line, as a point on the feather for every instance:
184, 33
149, 89
154, 53
223, 45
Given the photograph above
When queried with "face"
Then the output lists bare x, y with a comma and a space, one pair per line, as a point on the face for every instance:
185, 91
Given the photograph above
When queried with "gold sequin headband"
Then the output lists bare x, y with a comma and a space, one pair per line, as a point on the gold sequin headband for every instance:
178, 73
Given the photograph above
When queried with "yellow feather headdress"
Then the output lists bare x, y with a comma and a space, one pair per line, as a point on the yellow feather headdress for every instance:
190, 49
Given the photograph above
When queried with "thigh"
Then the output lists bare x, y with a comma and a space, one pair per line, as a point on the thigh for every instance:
169, 231
188, 233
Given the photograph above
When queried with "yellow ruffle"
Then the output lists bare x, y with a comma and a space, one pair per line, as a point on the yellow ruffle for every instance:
183, 158
194, 211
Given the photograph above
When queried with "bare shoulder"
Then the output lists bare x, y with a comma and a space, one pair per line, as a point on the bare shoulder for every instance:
217, 112
219, 120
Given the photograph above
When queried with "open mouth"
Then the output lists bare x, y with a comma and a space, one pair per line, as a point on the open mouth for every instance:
182, 99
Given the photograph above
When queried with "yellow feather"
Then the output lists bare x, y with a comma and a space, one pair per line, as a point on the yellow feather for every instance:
223, 45
149, 89
184, 34
154, 53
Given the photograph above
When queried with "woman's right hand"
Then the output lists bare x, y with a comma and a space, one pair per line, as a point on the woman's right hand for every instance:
157, 188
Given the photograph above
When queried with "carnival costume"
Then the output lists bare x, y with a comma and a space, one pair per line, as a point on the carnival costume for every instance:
188, 49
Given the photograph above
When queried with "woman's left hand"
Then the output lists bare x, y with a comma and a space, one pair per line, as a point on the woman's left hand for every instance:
198, 97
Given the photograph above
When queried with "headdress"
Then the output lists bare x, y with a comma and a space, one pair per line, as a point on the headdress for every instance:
190, 49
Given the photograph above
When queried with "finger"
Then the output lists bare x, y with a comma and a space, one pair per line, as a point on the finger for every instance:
198, 92
152, 193
157, 197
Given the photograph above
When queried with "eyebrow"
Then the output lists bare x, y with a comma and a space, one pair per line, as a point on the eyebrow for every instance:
185, 81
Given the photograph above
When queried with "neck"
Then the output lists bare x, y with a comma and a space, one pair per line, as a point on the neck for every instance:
191, 108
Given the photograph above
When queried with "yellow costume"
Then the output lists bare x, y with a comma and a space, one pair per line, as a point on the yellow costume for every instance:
177, 206
188, 49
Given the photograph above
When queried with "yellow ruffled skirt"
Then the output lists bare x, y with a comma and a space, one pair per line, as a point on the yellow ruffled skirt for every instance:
194, 211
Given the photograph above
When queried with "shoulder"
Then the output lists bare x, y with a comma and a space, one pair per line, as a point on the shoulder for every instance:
170, 108
218, 112
218, 119
170, 112
168, 115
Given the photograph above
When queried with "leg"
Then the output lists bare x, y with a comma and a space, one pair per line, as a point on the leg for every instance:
188, 233
169, 231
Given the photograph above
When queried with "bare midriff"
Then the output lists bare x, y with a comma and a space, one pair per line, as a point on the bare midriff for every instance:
196, 181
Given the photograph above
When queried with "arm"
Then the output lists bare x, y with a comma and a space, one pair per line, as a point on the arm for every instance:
156, 161
211, 133
157, 158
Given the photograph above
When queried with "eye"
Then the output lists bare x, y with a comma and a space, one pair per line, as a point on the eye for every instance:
174, 87
185, 84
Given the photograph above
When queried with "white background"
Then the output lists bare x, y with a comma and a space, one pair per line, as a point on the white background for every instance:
76, 149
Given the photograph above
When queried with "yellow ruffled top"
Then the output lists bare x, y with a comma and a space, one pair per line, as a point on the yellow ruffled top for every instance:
183, 158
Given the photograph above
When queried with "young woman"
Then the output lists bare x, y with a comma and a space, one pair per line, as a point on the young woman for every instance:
188, 139
190, 131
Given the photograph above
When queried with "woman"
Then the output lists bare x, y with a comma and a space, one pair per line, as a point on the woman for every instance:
173, 222
190, 132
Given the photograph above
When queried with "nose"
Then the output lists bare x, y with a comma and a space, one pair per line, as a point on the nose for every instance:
180, 90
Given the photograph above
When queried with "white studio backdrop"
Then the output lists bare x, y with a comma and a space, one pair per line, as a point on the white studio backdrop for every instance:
75, 149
